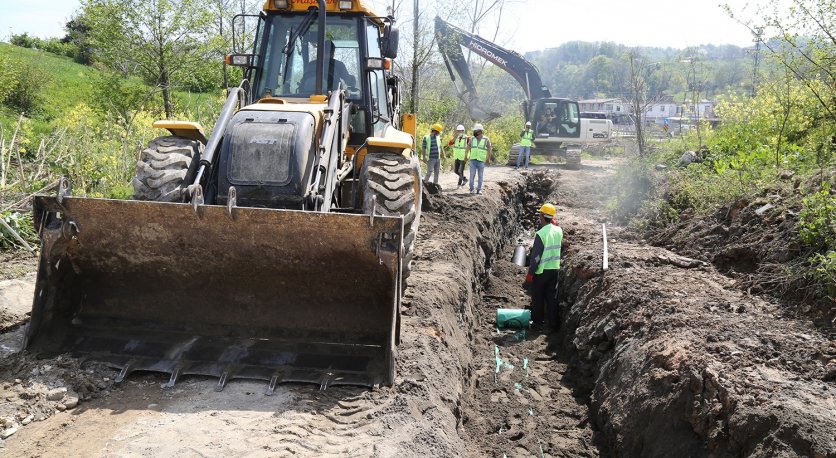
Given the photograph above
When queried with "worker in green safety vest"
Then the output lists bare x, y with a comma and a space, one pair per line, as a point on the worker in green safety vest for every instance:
544, 265
526, 140
459, 145
479, 150
432, 151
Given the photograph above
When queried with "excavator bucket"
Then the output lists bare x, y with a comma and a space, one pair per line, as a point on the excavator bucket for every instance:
229, 292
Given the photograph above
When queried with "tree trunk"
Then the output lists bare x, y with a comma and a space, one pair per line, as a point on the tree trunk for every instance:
413, 92
164, 86
639, 130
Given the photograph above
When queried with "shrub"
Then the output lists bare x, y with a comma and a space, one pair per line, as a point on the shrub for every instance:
22, 224
25, 41
823, 272
817, 219
23, 85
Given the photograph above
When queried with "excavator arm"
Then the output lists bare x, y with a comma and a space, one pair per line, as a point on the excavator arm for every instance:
451, 40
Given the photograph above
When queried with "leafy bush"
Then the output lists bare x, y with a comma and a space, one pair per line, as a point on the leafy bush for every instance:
25, 41
8, 77
56, 46
21, 84
52, 45
28, 95
823, 272
817, 219
22, 224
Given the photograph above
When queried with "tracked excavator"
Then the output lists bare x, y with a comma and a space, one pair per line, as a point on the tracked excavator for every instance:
559, 129
277, 248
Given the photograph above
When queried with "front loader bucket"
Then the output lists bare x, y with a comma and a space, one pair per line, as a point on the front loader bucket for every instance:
277, 295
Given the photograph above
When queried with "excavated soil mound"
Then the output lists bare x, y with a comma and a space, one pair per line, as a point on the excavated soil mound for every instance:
754, 242
678, 361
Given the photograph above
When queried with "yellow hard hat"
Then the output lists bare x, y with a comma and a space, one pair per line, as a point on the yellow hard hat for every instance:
547, 209
438, 127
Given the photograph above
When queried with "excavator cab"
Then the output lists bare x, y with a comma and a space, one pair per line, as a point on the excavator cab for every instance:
275, 249
553, 117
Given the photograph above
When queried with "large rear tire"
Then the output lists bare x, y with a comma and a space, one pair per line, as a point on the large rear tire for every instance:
163, 168
395, 183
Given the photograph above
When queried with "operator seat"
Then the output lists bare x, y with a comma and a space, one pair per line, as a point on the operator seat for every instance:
333, 74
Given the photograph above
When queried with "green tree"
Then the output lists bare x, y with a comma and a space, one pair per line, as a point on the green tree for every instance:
162, 41
77, 35
806, 44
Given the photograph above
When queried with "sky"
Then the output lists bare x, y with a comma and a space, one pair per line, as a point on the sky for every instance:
530, 25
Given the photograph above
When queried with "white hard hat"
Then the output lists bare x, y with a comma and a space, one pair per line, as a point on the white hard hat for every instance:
478, 127
460, 127
528, 123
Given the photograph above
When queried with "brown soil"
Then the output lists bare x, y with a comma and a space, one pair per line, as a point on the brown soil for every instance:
16, 300
660, 356
16, 264
754, 242
678, 361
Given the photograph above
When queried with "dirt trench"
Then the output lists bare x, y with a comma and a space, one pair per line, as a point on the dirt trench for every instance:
659, 356
423, 414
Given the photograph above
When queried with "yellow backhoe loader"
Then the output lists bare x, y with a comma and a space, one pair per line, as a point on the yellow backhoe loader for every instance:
275, 249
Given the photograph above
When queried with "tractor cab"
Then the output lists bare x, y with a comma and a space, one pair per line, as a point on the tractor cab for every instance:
353, 53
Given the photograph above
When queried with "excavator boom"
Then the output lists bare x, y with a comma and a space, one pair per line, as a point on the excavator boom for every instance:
451, 40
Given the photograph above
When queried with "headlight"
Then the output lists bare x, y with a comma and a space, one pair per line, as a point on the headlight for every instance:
239, 60
280, 4
345, 4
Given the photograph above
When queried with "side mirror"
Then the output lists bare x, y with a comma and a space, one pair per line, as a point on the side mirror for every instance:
389, 42
244, 30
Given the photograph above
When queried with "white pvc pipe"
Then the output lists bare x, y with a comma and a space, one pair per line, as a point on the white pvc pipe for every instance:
606, 263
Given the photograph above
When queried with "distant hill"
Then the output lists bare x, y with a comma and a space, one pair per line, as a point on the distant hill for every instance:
582, 70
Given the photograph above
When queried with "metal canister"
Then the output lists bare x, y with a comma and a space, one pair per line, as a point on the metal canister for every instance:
520, 257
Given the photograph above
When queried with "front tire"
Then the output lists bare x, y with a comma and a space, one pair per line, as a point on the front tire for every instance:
395, 183
163, 168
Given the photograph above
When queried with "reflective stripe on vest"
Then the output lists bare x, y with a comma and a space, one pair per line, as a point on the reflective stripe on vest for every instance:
459, 147
527, 137
479, 149
552, 237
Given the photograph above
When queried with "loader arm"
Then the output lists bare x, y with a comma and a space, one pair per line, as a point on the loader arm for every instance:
452, 39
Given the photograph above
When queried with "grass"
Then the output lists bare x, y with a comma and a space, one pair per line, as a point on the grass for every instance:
68, 84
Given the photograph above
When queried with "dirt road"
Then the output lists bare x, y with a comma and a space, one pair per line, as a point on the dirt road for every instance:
661, 355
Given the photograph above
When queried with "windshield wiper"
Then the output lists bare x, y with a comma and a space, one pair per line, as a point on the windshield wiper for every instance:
303, 28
